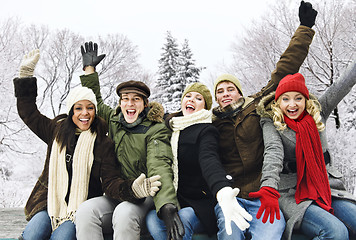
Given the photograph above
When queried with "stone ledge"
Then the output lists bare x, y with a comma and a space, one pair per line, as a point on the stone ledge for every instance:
12, 222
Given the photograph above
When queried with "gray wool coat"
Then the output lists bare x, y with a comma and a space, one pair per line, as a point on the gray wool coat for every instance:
280, 153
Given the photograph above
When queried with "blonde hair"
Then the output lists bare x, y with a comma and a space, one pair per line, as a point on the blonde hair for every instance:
312, 106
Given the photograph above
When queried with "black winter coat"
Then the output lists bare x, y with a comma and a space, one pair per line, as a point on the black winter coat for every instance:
200, 174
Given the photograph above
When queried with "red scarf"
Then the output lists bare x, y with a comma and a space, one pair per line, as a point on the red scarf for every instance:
312, 178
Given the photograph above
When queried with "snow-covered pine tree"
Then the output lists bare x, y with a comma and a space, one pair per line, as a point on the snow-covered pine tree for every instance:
166, 71
187, 66
186, 73
176, 70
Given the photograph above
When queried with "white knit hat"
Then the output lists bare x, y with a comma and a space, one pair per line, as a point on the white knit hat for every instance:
78, 94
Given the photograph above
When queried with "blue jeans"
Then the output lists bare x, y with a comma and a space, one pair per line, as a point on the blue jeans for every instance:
257, 230
187, 215
320, 224
39, 228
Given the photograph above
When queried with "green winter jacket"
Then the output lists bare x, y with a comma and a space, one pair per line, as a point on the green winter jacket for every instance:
143, 149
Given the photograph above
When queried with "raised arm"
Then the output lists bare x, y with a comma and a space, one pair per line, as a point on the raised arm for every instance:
297, 50
338, 90
26, 92
90, 78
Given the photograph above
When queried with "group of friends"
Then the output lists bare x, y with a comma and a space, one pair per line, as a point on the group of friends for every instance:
254, 167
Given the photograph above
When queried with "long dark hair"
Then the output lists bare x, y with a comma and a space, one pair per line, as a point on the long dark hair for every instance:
65, 132
169, 116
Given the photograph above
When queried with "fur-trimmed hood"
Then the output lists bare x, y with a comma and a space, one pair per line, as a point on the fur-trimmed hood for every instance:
156, 112
264, 106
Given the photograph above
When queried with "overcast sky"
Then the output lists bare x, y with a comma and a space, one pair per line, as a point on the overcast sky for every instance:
209, 26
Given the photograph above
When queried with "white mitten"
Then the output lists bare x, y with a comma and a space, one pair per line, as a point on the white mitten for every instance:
28, 63
144, 187
232, 210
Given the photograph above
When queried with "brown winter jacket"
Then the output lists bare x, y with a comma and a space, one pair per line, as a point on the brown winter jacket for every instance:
241, 139
105, 165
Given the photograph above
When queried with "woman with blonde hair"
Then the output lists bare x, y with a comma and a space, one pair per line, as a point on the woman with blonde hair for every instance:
297, 161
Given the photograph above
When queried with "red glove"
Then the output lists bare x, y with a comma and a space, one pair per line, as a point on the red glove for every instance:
269, 203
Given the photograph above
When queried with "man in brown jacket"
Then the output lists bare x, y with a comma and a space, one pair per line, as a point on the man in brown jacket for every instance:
241, 140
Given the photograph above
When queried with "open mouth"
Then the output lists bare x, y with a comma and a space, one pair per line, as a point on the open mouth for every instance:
292, 112
84, 120
131, 112
190, 107
226, 100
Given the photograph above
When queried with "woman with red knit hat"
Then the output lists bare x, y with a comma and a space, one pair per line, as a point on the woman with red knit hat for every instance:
313, 196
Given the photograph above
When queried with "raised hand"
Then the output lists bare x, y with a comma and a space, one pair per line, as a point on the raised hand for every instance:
307, 14
90, 55
28, 63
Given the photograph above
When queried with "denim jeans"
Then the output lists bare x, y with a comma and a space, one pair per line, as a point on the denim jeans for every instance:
257, 230
39, 228
187, 215
320, 224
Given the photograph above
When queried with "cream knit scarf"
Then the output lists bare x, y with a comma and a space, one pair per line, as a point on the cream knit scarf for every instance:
179, 123
83, 157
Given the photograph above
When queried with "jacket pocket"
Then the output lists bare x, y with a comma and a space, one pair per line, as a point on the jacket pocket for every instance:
336, 179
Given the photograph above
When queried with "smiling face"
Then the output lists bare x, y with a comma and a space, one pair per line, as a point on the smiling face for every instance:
192, 102
227, 93
292, 104
132, 105
83, 114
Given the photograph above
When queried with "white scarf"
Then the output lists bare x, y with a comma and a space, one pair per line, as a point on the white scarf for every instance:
83, 157
179, 123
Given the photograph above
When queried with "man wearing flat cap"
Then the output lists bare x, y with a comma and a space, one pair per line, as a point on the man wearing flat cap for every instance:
142, 146
133, 87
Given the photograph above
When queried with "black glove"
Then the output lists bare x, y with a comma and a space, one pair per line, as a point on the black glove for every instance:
307, 14
169, 214
90, 55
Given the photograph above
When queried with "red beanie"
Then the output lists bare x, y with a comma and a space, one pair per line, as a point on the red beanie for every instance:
292, 83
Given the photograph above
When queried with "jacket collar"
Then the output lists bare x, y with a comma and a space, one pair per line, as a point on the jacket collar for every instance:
231, 110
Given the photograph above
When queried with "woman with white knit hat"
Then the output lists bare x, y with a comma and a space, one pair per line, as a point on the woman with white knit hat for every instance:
80, 162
